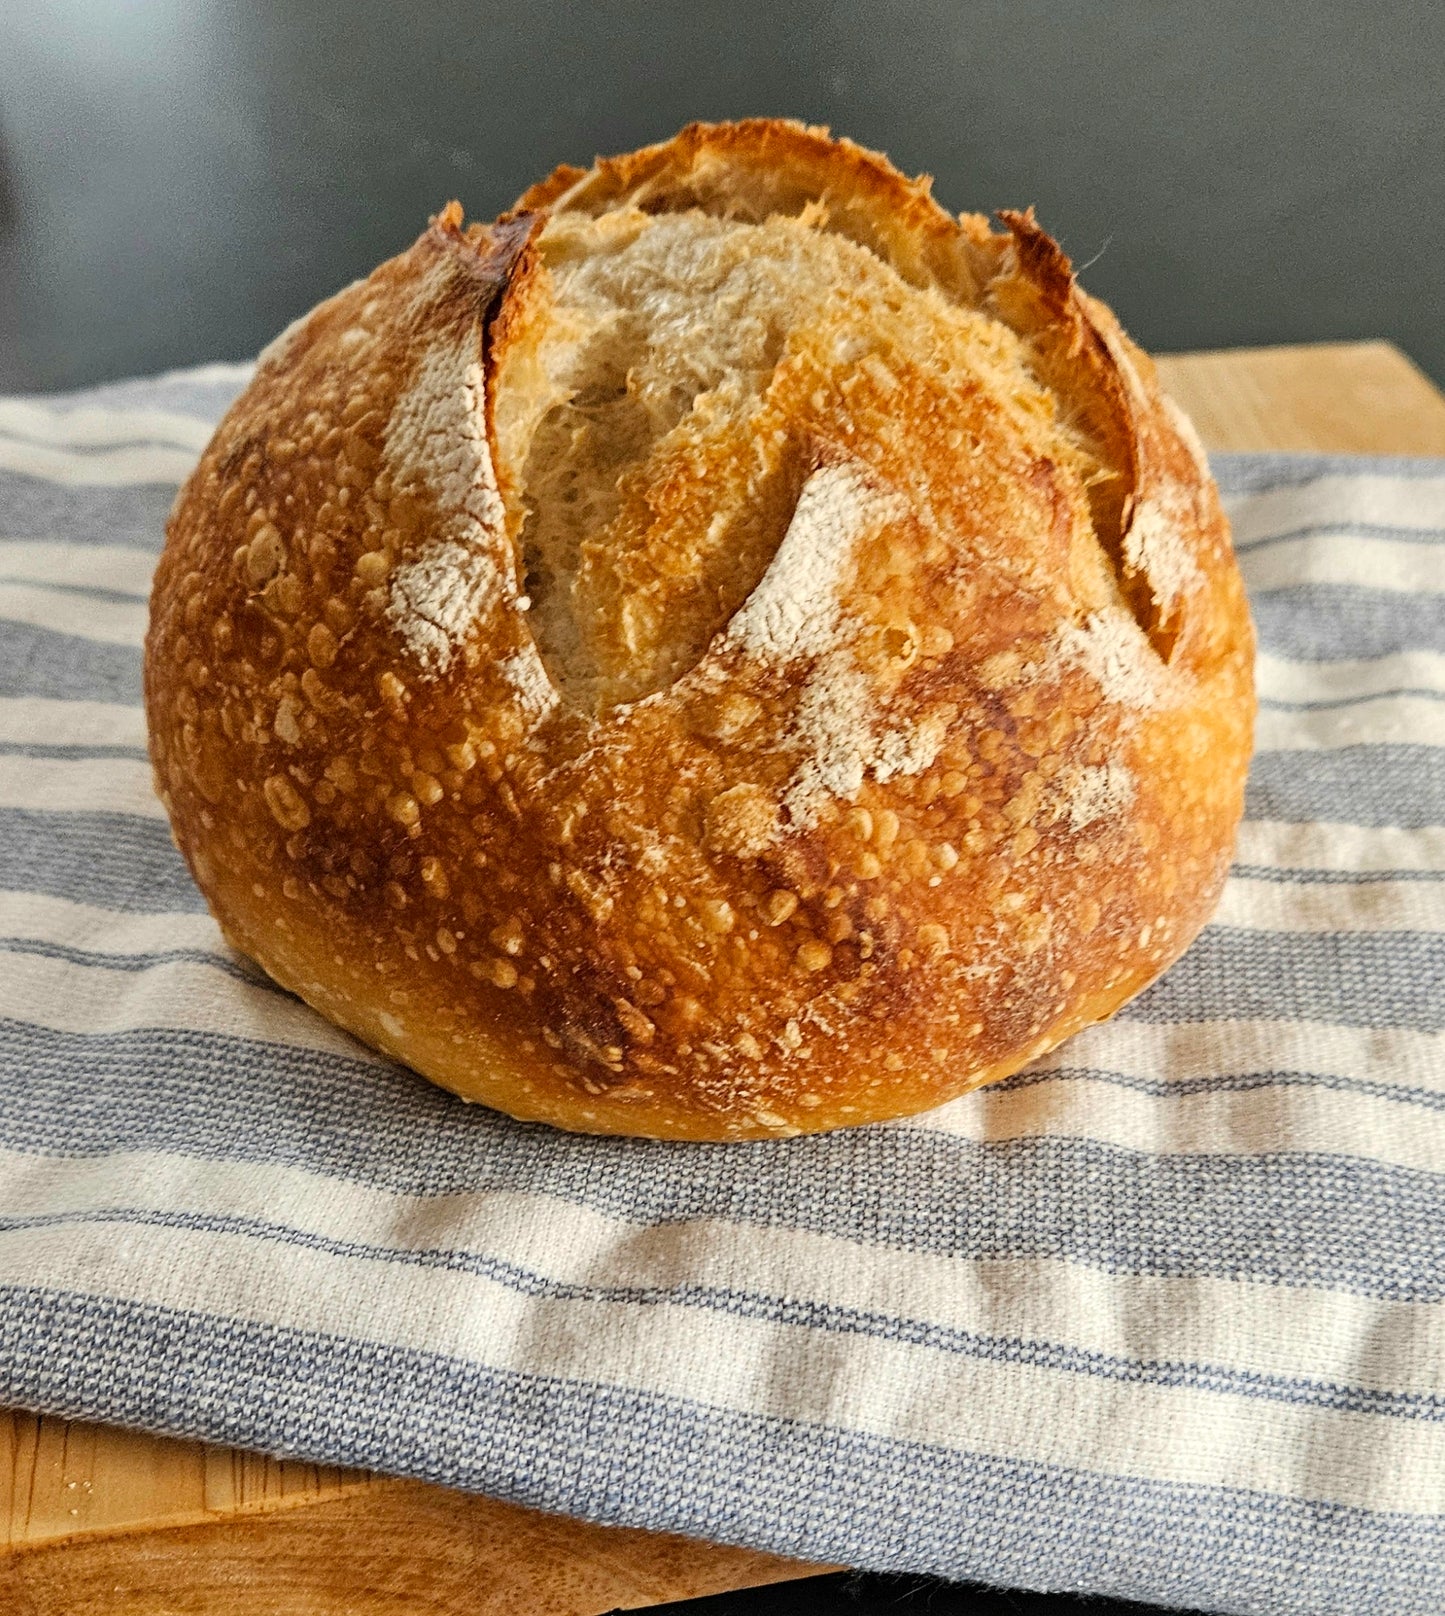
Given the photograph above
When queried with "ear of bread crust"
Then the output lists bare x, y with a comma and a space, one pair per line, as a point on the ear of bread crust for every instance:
762, 166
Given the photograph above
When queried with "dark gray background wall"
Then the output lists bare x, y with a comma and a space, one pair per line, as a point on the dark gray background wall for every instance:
177, 180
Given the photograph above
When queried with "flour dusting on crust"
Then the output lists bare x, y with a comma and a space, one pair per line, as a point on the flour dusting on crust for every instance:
1090, 793
796, 612
796, 609
436, 444
910, 751
1111, 647
834, 722
1155, 544
527, 674
436, 599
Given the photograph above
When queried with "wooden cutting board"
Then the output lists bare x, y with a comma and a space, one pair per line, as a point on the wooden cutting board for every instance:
99, 1520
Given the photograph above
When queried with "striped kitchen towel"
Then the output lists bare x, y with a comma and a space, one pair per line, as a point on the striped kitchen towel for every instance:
1160, 1317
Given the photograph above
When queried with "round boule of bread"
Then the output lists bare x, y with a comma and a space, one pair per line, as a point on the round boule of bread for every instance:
727, 650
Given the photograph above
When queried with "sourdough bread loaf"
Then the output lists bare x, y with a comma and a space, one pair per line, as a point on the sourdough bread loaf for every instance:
727, 650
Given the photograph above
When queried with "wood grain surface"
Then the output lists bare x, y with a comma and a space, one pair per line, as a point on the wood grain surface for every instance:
100, 1520
1337, 397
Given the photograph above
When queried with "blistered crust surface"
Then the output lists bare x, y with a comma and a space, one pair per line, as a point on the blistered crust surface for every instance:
946, 787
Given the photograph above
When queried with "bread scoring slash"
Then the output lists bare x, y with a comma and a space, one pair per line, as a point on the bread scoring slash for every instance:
727, 650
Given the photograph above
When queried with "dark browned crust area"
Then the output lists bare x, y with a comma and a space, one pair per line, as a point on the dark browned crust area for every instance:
565, 918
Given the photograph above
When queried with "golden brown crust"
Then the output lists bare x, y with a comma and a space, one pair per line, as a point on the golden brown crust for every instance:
616, 923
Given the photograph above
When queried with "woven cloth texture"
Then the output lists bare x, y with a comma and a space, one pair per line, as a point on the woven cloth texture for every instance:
1160, 1317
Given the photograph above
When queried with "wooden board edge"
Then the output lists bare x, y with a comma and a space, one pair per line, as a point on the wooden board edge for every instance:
389, 1552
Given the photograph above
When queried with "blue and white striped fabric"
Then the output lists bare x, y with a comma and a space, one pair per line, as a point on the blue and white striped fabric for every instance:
1160, 1317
